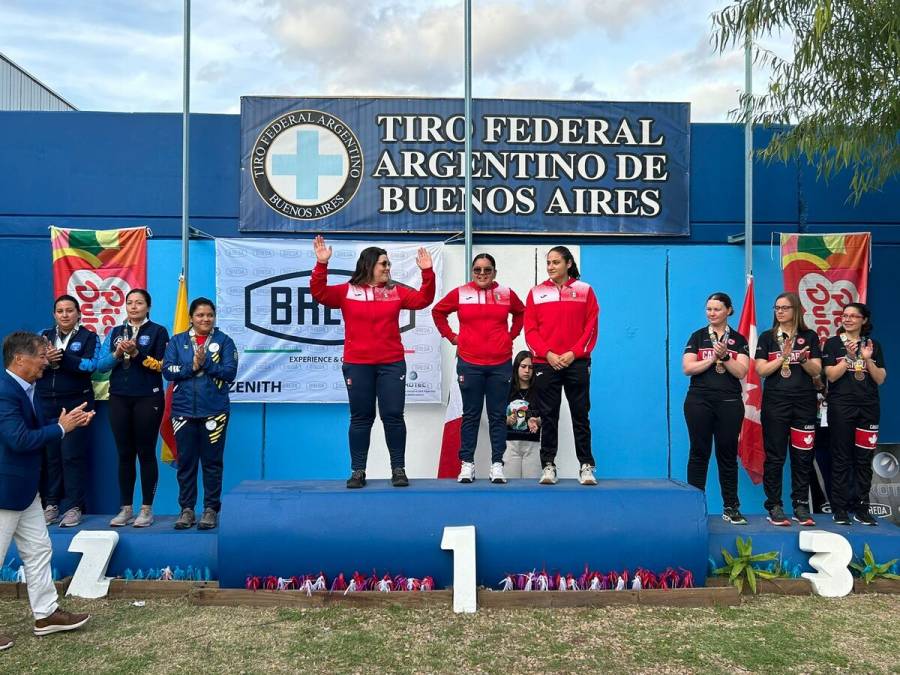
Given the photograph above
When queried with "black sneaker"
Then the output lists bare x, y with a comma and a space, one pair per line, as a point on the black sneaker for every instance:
841, 518
733, 515
777, 517
398, 477
863, 516
803, 516
357, 479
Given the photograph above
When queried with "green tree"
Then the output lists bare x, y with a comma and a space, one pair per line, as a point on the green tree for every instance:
837, 101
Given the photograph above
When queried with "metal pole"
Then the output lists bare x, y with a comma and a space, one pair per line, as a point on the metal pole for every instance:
185, 144
748, 160
468, 121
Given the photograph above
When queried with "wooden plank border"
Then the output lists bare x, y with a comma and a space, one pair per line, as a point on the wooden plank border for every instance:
688, 597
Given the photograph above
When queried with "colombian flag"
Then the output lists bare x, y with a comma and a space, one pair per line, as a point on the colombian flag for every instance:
181, 322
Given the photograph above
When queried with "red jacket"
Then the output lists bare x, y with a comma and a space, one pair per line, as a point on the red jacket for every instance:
561, 321
485, 336
371, 314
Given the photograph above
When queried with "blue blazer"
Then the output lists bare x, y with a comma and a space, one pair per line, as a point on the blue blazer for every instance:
23, 435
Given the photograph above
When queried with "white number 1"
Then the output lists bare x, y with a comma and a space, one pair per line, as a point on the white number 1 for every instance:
461, 540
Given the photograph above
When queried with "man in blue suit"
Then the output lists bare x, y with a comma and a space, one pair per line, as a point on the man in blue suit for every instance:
23, 434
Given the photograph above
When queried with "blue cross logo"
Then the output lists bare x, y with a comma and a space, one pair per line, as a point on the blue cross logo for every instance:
307, 165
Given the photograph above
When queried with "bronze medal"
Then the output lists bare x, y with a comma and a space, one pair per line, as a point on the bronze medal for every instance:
859, 369
720, 368
786, 370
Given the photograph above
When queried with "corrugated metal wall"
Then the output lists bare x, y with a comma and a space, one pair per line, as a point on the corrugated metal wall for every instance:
21, 91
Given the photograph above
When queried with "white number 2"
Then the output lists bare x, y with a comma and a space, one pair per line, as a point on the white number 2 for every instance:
96, 548
461, 540
831, 553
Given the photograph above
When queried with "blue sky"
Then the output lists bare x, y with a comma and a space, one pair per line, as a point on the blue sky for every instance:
119, 55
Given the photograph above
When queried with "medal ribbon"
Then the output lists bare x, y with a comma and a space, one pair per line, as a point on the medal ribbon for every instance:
720, 367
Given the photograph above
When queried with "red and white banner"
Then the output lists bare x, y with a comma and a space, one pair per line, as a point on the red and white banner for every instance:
451, 441
750, 445
99, 268
827, 271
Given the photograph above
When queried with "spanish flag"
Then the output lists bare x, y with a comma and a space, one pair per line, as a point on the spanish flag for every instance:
181, 322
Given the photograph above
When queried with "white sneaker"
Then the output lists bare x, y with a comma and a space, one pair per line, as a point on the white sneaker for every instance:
124, 517
496, 474
586, 475
548, 476
145, 517
466, 473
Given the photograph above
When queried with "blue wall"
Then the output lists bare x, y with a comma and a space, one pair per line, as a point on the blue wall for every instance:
104, 170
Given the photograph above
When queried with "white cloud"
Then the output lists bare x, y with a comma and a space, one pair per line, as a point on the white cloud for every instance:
405, 48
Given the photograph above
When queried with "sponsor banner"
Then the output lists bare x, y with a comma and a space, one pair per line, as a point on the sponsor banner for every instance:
827, 271
884, 497
394, 164
99, 268
291, 348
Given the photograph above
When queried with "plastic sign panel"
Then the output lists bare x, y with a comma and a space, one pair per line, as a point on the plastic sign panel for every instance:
398, 165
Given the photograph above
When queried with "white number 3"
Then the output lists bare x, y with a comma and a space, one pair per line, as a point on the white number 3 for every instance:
831, 553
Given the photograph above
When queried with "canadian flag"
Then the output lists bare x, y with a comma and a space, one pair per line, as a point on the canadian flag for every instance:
750, 445
449, 464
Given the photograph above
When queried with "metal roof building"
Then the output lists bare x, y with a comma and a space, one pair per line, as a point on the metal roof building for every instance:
20, 90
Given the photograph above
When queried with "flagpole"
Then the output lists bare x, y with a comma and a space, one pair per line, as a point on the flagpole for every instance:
748, 160
468, 121
185, 143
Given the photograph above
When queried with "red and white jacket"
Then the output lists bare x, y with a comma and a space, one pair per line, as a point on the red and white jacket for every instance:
485, 336
561, 320
371, 314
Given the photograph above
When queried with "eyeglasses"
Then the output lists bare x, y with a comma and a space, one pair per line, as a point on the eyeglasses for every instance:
851, 316
482, 270
782, 308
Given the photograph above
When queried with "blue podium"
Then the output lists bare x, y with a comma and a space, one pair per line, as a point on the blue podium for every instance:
302, 527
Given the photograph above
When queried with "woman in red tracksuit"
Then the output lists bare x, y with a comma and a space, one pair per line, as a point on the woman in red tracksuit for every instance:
561, 317
374, 367
484, 350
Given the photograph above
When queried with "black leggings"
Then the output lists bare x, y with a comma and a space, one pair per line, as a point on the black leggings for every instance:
708, 419
135, 426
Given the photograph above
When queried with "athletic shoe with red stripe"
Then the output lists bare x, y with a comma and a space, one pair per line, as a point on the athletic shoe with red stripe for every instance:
803, 516
777, 517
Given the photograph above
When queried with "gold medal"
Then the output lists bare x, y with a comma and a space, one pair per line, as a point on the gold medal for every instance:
786, 369
859, 369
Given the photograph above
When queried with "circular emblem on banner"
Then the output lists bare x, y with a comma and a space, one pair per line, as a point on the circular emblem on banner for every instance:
306, 164
211, 425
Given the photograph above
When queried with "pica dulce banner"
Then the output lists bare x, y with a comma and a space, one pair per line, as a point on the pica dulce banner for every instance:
99, 268
827, 271
291, 347
398, 165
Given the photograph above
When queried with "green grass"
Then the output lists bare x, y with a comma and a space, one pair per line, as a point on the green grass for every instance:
767, 634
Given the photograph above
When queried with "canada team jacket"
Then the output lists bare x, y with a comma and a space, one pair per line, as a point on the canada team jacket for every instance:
371, 314
561, 320
204, 392
485, 335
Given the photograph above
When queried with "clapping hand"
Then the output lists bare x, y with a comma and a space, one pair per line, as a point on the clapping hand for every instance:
720, 349
867, 350
199, 357
54, 355
323, 251
852, 346
76, 417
